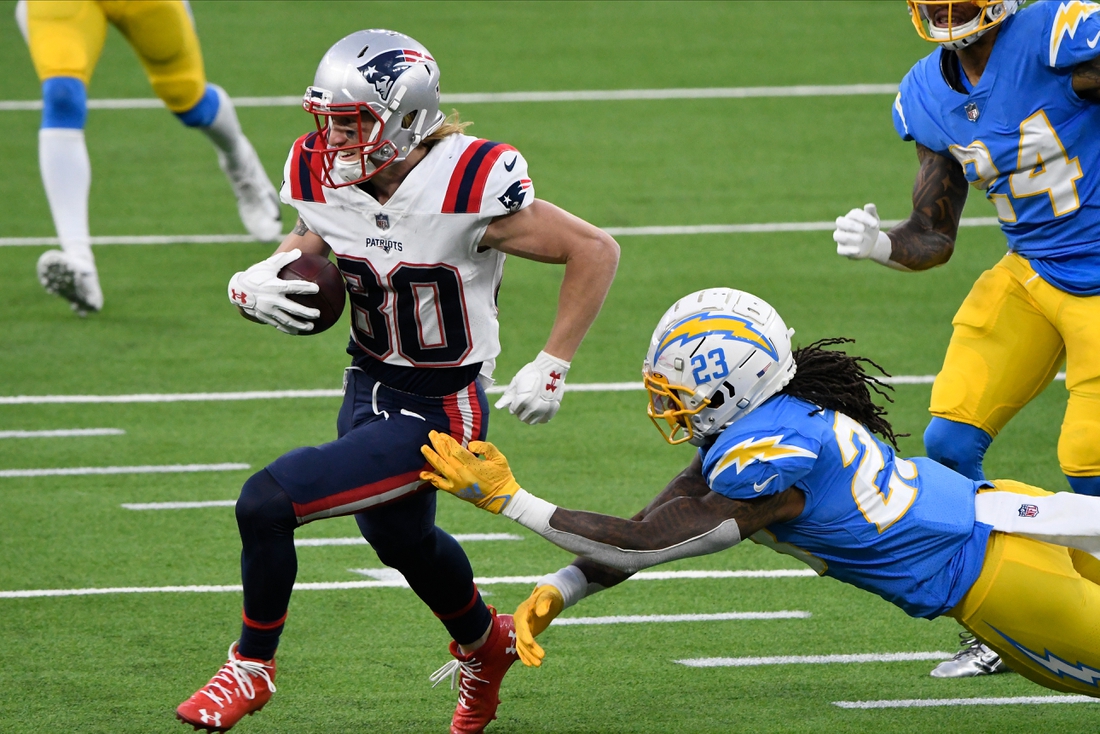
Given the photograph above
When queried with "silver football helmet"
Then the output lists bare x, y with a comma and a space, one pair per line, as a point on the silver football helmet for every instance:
715, 356
387, 86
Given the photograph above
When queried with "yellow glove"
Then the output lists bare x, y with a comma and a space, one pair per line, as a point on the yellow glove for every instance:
487, 483
532, 616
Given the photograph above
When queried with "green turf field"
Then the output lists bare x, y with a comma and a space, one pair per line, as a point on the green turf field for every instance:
358, 660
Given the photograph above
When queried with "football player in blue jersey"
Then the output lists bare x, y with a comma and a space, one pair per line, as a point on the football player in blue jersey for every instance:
788, 457
1007, 103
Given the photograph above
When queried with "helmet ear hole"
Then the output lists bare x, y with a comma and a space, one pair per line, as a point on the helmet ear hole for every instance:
407, 120
717, 400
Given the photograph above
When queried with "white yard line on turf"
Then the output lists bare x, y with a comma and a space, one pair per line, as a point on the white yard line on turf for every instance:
693, 229
595, 95
80, 470
177, 505
668, 618
906, 703
887, 657
287, 394
460, 537
390, 582
64, 433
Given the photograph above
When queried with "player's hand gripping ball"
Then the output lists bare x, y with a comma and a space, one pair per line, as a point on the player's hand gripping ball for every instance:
487, 483
331, 291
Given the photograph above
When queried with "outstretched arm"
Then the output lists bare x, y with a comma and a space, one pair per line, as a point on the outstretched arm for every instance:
927, 238
684, 526
688, 483
685, 519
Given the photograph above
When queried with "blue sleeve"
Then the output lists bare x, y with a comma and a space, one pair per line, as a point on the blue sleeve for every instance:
1072, 32
746, 466
900, 125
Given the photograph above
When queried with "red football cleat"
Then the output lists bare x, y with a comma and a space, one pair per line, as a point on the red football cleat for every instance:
479, 675
240, 688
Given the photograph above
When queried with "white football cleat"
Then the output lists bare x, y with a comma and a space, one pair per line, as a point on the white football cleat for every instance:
974, 659
60, 275
257, 200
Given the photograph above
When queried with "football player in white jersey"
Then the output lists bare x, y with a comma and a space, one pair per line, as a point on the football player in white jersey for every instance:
420, 217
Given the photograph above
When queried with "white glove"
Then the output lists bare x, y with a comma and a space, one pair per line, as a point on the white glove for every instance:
261, 293
858, 236
534, 394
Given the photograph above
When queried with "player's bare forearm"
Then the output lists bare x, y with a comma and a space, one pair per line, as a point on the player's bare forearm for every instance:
680, 519
546, 233
302, 238
688, 483
588, 275
1086, 80
927, 238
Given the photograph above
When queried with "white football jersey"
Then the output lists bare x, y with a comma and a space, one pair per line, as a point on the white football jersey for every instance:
421, 293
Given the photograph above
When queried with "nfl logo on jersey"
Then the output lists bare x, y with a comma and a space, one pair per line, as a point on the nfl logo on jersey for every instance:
972, 112
1028, 510
382, 221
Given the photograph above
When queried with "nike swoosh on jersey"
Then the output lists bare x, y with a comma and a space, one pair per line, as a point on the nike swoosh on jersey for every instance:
760, 487
509, 166
1092, 41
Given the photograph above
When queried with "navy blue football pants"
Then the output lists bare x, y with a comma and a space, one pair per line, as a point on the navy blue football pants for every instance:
372, 470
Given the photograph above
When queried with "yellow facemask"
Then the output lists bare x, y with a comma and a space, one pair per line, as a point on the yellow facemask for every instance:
921, 12
666, 405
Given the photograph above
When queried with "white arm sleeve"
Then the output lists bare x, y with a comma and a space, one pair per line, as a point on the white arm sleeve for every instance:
534, 514
1063, 518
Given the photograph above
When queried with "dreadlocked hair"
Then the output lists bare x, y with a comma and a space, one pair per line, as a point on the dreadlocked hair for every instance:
832, 379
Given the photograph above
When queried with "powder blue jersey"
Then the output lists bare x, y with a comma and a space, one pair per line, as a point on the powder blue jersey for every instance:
903, 529
1023, 136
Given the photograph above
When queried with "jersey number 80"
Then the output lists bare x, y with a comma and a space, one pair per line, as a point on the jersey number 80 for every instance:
417, 309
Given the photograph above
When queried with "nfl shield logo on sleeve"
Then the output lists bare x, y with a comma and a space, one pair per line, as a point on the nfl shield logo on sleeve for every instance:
382, 221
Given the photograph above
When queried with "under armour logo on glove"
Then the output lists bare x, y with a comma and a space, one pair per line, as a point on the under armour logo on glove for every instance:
534, 394
553, 384
263, 294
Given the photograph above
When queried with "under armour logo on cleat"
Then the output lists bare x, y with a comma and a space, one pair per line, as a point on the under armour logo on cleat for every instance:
208, 718
511, 649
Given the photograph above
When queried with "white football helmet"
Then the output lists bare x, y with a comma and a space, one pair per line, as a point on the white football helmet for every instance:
389, 84
715, 355
954, 35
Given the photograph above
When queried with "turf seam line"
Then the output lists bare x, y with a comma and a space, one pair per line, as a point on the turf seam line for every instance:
395, 583
593, 95
932, 702
288, 394
646, 231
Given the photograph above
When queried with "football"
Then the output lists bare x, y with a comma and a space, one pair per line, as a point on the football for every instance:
329, 300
